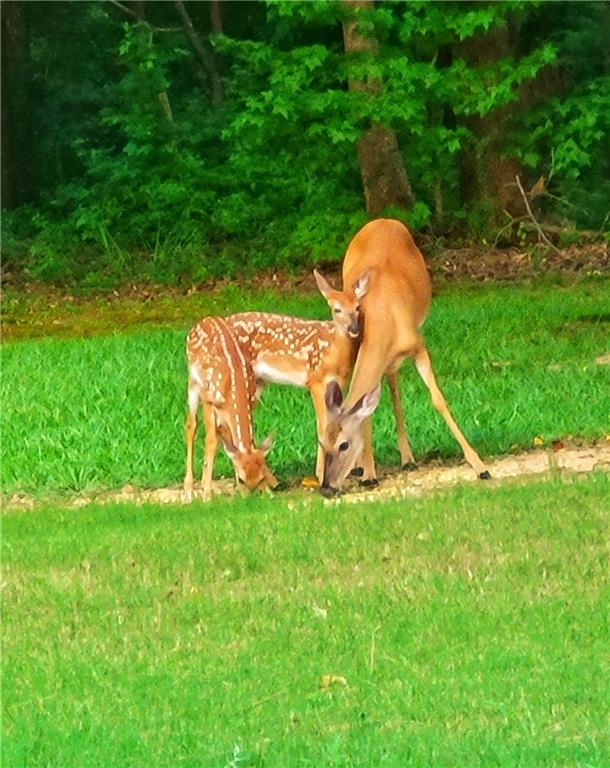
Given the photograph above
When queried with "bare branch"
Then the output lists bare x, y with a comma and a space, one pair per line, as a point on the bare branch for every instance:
127, 10
512, 221
532, 217
140, 18
205, 58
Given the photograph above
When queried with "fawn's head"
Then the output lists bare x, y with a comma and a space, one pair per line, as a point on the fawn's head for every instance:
342, 442
250, 464
345, 305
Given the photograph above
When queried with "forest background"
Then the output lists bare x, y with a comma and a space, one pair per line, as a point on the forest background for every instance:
176, 141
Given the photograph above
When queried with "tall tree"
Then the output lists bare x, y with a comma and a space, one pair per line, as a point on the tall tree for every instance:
384, 176
215, 17
485, 172
16, 106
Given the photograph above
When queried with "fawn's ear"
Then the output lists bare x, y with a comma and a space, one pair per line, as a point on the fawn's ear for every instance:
367, 404
265, 446
361, 286
323, 284
333, 397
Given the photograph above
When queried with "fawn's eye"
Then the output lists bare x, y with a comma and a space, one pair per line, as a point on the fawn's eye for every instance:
337, 310
343, 446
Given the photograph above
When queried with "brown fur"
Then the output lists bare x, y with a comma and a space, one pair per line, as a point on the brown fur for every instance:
393, 308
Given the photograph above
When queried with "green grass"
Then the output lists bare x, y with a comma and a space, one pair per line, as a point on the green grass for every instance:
515, 362
470, 628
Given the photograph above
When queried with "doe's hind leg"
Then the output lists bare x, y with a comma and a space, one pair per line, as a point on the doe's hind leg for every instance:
406, 454
424, 368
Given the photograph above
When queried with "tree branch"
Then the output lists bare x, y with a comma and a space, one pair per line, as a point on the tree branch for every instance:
127, 10
204, 57
528, 208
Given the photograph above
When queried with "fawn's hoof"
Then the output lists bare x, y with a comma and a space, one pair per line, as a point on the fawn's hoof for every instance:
357, 472
484, 475
409, 466
371, 482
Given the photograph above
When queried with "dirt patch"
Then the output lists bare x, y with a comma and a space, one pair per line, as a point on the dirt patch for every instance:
540, 462
391, 484
37, 310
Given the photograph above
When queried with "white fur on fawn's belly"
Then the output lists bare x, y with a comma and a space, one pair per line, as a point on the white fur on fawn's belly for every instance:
193, 370
270, 372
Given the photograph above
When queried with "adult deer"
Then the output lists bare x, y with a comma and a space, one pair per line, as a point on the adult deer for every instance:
395, 304
305, 353
221, 378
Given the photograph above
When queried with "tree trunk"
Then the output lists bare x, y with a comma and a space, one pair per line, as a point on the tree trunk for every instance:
384, 176
138, 9
215, 17
17, 185
484, 174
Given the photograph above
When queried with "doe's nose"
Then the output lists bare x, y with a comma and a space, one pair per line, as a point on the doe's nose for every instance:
328, 491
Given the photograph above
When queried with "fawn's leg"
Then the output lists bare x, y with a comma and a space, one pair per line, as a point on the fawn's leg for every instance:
211, 441
317, 397
406, 454
190, 428
424, 368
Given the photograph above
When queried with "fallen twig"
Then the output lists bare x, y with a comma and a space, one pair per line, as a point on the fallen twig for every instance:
532, 217
509, 226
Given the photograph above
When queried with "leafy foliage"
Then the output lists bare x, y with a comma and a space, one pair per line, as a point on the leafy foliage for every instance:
140, 176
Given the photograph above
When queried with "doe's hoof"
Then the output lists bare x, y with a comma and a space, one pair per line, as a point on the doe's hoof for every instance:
357, 472
409, 466
484, 475
372, 482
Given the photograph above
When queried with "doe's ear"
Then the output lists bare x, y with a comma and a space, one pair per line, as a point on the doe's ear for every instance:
323, 284
361, 286
333, 397
367, 403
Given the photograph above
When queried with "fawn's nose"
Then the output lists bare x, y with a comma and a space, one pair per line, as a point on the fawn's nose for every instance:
354, 325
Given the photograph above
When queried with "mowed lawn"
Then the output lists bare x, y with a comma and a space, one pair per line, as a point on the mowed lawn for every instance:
516, 362
469, 628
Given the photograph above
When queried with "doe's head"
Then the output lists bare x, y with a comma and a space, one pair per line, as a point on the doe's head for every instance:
345, 305
342, 442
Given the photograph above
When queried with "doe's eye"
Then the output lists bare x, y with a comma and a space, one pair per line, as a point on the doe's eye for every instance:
343, 446
337, 310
